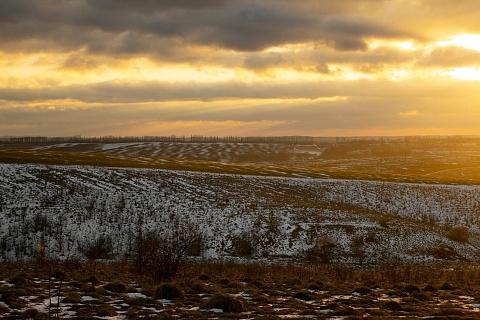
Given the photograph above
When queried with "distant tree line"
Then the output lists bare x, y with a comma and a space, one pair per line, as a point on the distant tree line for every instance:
436, 141
172, 138
102, 139
280, 139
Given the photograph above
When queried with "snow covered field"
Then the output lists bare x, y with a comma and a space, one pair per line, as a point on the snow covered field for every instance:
191, 150
68, 206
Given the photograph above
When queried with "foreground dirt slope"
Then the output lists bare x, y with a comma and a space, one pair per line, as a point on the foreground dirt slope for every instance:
223, 290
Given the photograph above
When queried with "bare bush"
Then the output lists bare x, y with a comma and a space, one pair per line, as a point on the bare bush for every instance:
358, 249
242, 245
323, 250
161, 254
100, 248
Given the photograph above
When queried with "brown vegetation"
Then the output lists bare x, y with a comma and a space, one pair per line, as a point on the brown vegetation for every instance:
201, 289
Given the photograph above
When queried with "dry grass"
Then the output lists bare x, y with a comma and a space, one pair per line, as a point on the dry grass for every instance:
266, 291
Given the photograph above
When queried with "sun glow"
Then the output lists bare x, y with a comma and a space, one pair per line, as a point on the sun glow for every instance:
468, 41
411, 113
398, 75
406, 45
471, 73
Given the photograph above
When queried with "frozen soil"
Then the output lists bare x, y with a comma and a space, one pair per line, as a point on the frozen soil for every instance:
264, 292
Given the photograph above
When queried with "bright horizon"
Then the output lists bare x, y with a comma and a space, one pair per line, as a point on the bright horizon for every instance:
238, 67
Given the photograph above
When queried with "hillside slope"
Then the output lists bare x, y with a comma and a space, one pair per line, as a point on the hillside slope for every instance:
365, 221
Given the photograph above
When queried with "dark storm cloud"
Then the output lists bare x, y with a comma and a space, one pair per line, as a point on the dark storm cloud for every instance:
258, 26
11, 11
232, 24
153, 5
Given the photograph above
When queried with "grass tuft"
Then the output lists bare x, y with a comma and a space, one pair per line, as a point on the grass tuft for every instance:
226, 303
72, 298
303, 295
392, 305
116, 287
169, 291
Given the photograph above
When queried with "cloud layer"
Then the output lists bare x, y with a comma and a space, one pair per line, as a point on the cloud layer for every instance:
269, 67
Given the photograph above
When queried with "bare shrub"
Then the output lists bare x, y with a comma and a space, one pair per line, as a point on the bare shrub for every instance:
100, 248
323, 250
161, 254
242, 245
358, 249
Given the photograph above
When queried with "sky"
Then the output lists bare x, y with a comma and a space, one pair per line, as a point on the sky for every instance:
239, 67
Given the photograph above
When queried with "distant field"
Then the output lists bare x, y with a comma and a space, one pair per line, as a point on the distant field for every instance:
430, 167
